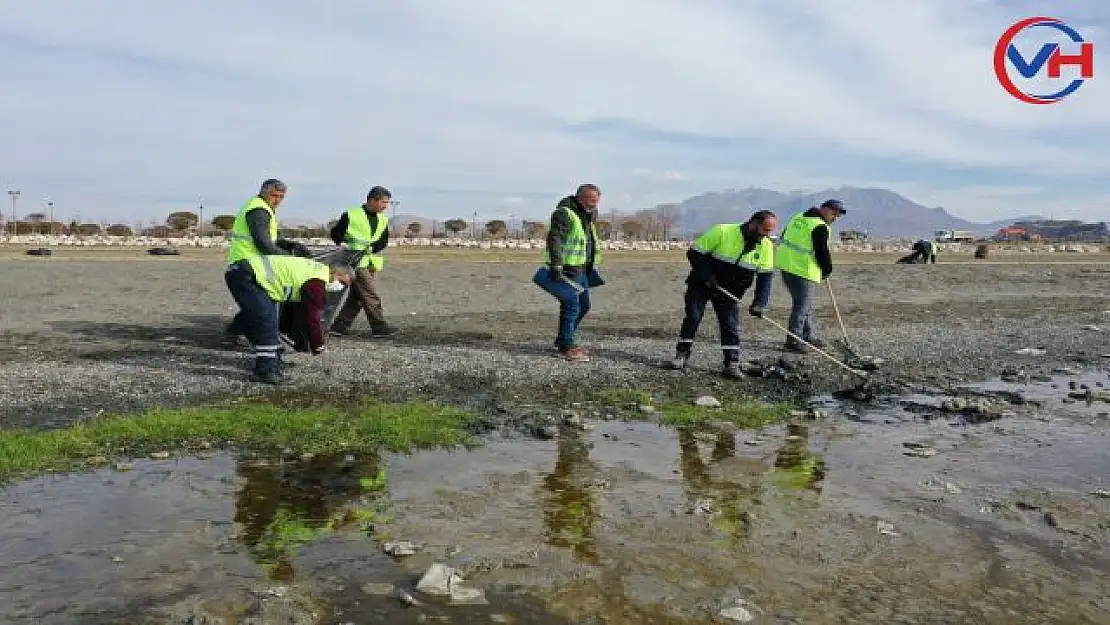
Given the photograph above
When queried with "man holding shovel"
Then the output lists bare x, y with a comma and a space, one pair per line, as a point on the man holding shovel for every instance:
805, 261
572, 257
728, 258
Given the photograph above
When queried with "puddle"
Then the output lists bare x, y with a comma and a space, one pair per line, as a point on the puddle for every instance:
903, 513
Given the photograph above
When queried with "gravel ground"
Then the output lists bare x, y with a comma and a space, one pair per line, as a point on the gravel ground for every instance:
82, 333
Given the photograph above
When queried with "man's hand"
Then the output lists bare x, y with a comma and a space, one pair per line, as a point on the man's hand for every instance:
756, 311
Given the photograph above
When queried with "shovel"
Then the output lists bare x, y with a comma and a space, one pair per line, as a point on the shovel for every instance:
867, 363
862, 374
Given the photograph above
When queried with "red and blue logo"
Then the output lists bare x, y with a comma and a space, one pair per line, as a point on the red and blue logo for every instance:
1049, 58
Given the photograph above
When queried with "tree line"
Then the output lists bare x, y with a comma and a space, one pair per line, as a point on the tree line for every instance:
654, 223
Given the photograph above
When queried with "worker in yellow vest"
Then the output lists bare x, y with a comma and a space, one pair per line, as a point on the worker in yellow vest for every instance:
365, 228
572, 256
804, 258
261, 282
730, 257
255, 232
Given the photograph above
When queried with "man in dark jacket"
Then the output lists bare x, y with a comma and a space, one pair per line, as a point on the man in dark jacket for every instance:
730, 257
805, 261
924, 251
365, 228
254, 233
572, 257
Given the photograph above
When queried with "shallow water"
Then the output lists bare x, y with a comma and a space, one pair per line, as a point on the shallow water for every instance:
824, 521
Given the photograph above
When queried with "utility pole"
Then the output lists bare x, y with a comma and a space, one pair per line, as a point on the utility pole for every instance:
15, 197
200, 218
473, 224
50, 209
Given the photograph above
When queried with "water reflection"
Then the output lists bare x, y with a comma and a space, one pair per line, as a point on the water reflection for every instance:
283, 505
795, 465
730, 502
571, 501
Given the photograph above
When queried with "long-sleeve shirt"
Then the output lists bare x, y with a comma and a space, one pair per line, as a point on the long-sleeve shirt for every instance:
821, 251
731, 276
258, 221
560, 228
339, 231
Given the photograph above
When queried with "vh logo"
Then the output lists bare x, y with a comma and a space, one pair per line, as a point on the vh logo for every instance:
1050, 55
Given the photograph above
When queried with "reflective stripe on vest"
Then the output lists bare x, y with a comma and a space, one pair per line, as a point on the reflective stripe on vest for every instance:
283, 276
574, 245
795, 252
242, 245
725, 242
360, 237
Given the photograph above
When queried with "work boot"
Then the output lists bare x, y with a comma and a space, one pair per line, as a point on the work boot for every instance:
384, 330
732, 369
574, 354
272, 377
794, 347
680, 359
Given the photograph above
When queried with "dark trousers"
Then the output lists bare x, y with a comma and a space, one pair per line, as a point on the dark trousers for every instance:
728, 318
801, 308
364, 296
257, 317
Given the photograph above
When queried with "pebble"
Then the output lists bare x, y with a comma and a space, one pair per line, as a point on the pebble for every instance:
739, 614
160, 455
885, 528
707, 401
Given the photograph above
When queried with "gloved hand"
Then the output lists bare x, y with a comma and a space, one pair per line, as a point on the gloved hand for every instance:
755, 311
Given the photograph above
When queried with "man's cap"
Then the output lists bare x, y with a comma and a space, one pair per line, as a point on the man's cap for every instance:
836, 205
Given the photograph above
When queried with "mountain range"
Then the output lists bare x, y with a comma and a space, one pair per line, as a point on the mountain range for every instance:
879, 212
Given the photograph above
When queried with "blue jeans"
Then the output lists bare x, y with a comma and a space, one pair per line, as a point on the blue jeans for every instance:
801, 317
728, 319
573, 303
258, 317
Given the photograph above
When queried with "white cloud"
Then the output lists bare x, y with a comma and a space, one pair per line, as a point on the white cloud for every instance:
458, 106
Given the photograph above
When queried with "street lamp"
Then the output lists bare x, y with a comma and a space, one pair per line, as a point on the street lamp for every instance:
15, 197
200, 218
50, 209
393, 204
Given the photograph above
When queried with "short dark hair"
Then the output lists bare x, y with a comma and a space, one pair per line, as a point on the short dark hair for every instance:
271, 184
377, 193
582, 188
761, 216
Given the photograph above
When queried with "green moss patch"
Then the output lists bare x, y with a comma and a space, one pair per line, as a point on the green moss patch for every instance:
395, 427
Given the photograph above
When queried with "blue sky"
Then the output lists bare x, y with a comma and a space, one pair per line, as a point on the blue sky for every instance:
501, 106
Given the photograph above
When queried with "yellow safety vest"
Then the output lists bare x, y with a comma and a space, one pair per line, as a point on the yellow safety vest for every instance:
574, 245
242, 243
360, 237
725, 242
795, 252
283, 276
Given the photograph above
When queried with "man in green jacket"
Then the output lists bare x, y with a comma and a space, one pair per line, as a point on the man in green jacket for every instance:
260, 283
805, 260
572, 257
254, 233
365, 228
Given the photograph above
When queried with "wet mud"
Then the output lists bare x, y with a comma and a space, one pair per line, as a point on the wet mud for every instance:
986, 503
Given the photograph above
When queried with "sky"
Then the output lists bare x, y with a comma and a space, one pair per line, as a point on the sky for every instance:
501, 107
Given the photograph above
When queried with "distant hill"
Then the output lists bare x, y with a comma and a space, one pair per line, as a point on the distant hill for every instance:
880, 212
